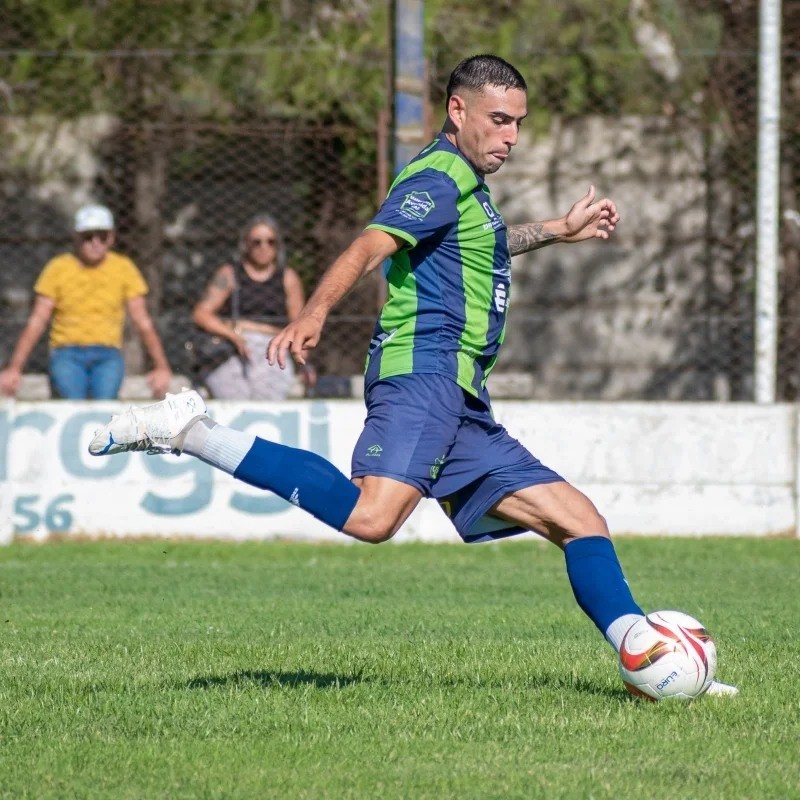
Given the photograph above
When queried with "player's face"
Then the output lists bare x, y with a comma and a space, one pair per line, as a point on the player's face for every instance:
487, 124
92, 246
262, 246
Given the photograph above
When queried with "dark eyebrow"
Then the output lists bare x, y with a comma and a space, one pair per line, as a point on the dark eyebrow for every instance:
505, 116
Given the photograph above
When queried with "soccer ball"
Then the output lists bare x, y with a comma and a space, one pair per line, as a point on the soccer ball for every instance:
667, 654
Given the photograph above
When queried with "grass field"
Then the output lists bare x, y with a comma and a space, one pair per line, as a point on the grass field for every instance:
210, 670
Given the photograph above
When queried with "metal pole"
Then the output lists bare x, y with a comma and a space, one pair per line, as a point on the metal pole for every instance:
767, 213
409, 90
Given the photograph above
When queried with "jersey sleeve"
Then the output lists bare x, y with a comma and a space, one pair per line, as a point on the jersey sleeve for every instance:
418, 207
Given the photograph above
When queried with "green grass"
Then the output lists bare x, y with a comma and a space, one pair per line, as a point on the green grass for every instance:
210, 670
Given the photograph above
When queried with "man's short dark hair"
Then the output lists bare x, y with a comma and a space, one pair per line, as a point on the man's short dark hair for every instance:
477, 72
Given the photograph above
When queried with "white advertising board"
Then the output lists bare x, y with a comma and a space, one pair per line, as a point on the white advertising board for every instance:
672, 469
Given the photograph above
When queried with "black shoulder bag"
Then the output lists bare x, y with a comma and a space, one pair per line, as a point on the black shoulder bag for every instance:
207, 350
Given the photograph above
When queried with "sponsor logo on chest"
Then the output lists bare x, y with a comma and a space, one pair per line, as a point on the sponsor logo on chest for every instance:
495, 219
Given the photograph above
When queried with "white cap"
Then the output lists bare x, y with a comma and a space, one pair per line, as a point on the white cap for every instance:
93, 218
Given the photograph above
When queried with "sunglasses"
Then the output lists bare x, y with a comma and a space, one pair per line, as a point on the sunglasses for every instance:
87, 236
258, 242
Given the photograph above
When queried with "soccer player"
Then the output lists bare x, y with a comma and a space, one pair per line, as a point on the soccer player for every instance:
429, 430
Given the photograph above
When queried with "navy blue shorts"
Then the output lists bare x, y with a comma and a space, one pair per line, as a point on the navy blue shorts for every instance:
426, 431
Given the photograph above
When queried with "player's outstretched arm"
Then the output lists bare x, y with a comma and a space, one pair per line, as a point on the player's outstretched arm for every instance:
587, 219
366, 253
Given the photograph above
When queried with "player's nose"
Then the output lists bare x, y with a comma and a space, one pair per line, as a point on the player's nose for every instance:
511, 136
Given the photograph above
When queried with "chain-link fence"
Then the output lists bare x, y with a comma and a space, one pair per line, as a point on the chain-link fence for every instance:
181, 194
187, 130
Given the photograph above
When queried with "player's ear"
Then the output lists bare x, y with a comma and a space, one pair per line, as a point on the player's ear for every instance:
456, 110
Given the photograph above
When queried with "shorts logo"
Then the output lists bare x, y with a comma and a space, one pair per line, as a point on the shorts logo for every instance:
437, 465
417, 205
374, 450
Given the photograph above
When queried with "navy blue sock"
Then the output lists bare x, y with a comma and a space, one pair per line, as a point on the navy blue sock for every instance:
302, 478
597, 581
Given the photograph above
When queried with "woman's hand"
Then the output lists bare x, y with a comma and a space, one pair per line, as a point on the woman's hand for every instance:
240, 343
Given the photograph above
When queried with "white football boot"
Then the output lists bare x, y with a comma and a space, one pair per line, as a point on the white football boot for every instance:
155, 428
717, 689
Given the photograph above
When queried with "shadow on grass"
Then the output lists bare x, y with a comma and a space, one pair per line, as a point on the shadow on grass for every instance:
302, 678
272, 679
562, 684
582, 686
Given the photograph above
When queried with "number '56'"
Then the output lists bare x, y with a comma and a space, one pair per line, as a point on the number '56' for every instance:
57, 518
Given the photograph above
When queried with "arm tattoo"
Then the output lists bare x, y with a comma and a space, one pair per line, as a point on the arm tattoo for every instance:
221, 282
531, 236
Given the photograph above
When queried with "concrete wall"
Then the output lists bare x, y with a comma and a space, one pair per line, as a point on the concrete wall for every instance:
656, 312
662, 311
675, 469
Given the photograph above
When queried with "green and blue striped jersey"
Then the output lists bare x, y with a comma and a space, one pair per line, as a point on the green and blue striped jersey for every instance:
448, 288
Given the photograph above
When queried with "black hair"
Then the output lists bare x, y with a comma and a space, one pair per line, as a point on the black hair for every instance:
477, 72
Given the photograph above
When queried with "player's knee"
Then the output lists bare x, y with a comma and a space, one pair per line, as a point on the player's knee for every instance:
371, 528
601, 526
378, 515
378, 536
374, 533
593, 525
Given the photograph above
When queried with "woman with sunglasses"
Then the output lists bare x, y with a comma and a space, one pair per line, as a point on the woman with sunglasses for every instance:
86, 294
247, 303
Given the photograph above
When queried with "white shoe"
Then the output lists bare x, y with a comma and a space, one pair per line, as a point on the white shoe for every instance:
717, 689
153, 428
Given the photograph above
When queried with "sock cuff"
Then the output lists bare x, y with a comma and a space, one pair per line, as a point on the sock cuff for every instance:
225, 448
590, 547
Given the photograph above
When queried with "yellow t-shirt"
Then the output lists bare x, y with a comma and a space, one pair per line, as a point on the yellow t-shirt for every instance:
89, 301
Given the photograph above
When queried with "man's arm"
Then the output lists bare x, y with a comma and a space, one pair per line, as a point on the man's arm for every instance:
161, 375
586, 219
366, 253
11, 376
531, 236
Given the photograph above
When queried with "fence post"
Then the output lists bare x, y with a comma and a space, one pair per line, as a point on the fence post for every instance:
767, 222
410, 91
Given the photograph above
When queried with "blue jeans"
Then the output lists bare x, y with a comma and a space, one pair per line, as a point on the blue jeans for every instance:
86, 371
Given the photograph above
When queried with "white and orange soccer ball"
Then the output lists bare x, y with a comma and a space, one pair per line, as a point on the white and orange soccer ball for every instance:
667, 654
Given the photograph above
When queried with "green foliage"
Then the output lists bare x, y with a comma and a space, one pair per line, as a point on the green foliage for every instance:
186, 670
188, 58
242, 59
578, 57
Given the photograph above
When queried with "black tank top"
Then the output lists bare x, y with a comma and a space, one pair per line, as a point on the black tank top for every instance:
259, 301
